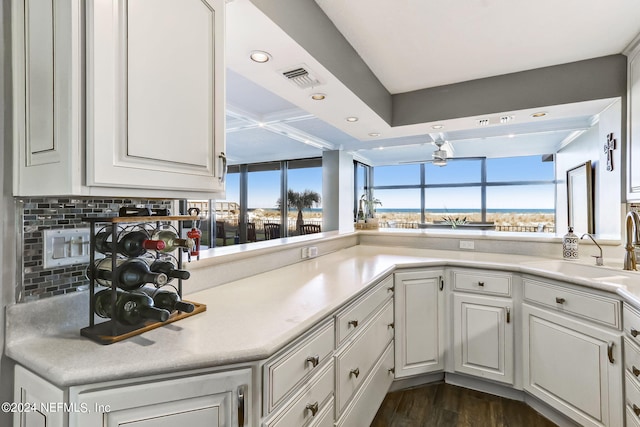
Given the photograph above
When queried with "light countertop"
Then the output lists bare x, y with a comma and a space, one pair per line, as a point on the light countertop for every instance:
250, 319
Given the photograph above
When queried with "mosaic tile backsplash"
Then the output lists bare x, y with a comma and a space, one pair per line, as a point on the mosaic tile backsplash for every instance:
37, 215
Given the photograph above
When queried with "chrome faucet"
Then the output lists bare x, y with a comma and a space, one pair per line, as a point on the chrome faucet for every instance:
598, 258
632, 225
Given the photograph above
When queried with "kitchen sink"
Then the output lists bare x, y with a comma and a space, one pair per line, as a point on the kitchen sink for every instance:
592, 272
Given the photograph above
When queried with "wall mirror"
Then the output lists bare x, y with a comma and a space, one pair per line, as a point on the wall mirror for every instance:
580, 198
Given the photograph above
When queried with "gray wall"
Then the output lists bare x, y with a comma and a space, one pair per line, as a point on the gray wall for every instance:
7, 227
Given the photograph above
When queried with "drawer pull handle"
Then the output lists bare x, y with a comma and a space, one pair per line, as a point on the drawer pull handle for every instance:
391, 325
354, 372
391, 370
634, 333
353, 323
635, 371
313, 407
314, 360
481, 284
636, 410
560, 300
610, 352
441, 283
390, 289
508, 314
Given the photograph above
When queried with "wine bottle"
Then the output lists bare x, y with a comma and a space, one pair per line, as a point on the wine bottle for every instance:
130, 309
167, 267
172, 241
132, 244
167, 300
131, 273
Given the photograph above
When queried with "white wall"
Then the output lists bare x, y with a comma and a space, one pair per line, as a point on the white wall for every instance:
608, 207
337, 191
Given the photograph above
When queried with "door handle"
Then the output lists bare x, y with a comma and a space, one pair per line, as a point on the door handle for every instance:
441, 283
223, 168
241, 406
610, 352
508, 314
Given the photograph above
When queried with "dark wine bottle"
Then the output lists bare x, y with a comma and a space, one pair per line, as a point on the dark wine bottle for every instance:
132, 244
168, 300
131, 273
130, 309
168, 268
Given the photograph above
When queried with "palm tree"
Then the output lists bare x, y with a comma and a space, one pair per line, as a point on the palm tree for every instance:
300, 201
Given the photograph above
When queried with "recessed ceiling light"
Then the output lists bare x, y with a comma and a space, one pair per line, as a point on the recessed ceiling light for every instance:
260, 56
374, 134
351, 119
539, 114
437, 126
318, 96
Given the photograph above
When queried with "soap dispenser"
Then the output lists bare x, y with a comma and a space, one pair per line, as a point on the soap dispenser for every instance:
570, 245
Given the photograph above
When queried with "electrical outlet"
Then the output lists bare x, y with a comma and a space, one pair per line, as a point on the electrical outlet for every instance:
313, 251
467, 244
304, 253
65, 247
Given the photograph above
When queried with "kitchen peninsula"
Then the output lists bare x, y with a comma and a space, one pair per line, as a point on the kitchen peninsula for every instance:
254, 325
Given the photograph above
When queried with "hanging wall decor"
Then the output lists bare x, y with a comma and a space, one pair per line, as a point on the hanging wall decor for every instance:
608, 149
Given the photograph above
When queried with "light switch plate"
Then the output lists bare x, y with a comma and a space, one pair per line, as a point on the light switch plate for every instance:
467, 244
66, 247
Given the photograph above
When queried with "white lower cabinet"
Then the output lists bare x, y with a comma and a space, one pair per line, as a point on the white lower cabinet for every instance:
573, 366
218, 399
483, 337
419, 322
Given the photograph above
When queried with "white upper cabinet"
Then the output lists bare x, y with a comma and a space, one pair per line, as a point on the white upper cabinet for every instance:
119, 97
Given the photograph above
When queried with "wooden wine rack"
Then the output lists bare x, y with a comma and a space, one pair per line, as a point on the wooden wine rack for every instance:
111, 331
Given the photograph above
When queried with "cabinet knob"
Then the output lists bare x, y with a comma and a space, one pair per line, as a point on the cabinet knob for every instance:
354, 372
635, 371
391, 370
313, 408
353, 323
391, 325
390, 289
560, 300
633, 332
481, 284
314, 360
636, 410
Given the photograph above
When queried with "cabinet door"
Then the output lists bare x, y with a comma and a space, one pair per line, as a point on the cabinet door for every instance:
633, 158
573, 367
155, 94
40, 399
483, 337
211, 400
419, 321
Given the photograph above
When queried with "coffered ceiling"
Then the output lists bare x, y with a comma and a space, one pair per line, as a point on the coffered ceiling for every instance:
408, 45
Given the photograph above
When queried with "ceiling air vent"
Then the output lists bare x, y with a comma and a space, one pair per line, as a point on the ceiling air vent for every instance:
302, 77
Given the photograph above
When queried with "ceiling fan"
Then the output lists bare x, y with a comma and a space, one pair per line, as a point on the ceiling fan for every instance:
440, 156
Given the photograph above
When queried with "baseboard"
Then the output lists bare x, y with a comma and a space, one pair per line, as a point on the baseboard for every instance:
548, 412
419, 380
484, 386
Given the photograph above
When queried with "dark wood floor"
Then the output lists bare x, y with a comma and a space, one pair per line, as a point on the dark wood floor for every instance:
445, 405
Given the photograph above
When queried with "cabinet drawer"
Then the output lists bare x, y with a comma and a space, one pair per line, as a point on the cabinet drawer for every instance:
354, 316
632, 393
355, 361
631, 324
292, 365
593, 307
362, 408
482, 282
632, 359
317, 395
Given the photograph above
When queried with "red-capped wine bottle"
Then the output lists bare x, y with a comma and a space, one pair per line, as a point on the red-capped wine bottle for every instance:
168, 300
131, 273
172, 241
132, 244
130, 309
167, 267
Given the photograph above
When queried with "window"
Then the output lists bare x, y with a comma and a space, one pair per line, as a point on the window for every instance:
505, 194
